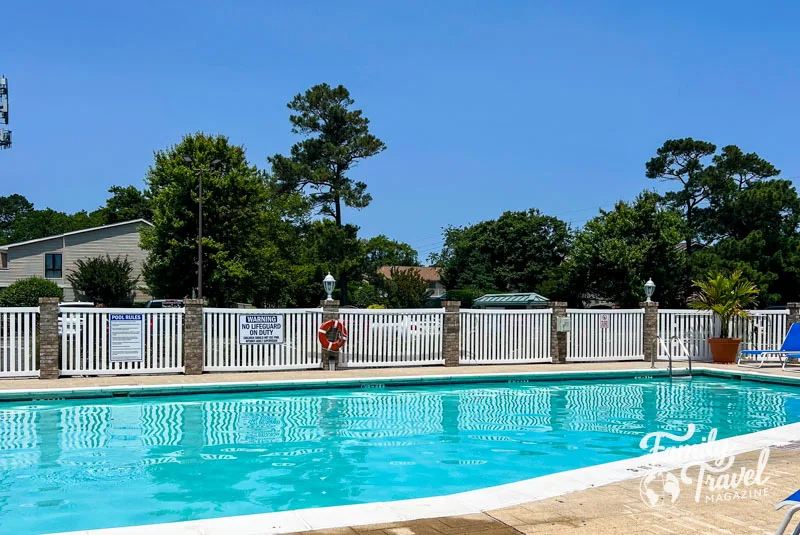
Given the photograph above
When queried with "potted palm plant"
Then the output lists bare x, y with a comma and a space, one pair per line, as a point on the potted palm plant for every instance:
727, 297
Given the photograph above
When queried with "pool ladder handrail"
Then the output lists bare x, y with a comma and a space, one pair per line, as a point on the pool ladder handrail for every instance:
659, 341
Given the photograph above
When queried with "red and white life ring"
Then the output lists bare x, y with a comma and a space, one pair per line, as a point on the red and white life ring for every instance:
337, 344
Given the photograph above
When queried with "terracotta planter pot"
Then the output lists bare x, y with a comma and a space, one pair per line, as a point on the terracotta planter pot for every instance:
724, 350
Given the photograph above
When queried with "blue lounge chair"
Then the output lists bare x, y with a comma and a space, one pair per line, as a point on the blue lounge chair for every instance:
793, 502
790, 349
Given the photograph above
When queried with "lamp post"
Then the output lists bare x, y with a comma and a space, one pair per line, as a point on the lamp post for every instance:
199, 170
329, 283
649, 288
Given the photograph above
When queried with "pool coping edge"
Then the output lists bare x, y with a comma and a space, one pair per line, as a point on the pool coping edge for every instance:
463, 503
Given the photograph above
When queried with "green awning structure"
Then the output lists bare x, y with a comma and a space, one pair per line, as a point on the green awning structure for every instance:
520, 300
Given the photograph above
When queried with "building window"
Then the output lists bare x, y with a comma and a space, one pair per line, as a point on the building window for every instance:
52, 266
3, 260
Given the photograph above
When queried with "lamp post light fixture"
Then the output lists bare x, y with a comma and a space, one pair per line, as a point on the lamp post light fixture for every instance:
329, 283
200, 170
649, 288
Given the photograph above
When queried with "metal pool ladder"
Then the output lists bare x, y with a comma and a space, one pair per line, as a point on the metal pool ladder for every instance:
661, 342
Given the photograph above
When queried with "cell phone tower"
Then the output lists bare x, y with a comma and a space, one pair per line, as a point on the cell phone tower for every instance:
5, 135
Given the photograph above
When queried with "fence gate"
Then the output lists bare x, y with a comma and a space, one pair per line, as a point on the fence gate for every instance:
18, 342
597, 335
380, 338
504, 336
223, 352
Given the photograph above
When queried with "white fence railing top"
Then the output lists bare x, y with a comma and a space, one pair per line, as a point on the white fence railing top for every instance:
691, 311
605, 311
87, 310
512, 312
19, 309
387, 311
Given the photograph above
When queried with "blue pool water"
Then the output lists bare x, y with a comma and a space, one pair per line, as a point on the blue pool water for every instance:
87, 464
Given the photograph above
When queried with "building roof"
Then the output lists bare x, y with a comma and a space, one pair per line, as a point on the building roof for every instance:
428, 274
8, 246
511, 300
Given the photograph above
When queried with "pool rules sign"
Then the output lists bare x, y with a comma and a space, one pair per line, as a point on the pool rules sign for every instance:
126, 340
260, 329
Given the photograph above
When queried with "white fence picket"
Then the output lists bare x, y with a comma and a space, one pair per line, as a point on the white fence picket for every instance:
85, 347
18, 342
223, 352
597, 335
763, 329
382, 338
504, 336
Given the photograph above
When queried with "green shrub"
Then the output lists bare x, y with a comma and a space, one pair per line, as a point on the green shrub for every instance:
364, 294
406, 289
104, 280
26, 292
466, 296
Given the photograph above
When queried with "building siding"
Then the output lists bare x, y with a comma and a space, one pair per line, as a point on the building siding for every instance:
26, 261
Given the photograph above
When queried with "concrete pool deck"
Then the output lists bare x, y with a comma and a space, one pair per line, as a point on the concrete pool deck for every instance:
770, 369
618, 508
604, 505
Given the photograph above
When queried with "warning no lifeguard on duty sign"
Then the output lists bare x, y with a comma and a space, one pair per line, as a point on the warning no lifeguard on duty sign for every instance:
261, 328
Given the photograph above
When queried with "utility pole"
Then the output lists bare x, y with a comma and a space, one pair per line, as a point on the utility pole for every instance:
200, 170
5, 135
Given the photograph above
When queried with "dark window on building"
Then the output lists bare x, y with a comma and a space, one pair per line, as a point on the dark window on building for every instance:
52, 266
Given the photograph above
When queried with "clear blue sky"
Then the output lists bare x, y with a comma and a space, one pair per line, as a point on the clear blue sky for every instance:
484, 106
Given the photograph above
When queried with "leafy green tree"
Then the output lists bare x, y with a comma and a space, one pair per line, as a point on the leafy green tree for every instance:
243, 232
336, 138
755, 231
40, 224
683, 161
12, 208
406, 289
104, 280
382, 251
126, 204
616, 252
519, 251
26, 292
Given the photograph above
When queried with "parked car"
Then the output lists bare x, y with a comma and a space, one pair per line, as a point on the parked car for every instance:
71, 326
164, 303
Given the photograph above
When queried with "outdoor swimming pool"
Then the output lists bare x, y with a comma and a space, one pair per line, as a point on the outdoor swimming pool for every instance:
87, 464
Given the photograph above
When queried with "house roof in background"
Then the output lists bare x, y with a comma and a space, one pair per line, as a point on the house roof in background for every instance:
7, 246
428, 274
513, 300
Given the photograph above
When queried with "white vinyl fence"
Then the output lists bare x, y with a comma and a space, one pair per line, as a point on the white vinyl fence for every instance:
300, 349
504, 336
597, 335
18, 342
85, 341
381, 338
764, 329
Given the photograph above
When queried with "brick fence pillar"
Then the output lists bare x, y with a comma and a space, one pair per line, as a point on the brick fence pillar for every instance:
650, 328
193, 336
794, 314
330, 311
49, 342
558, 341
450, 332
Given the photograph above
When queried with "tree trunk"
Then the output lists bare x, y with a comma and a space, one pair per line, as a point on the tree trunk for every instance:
342, 273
